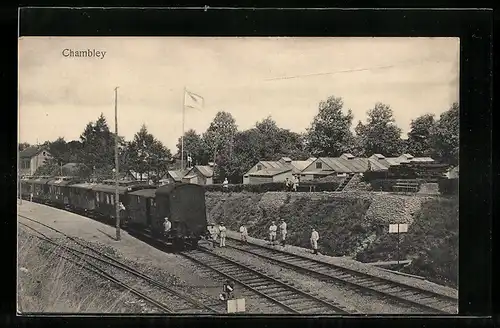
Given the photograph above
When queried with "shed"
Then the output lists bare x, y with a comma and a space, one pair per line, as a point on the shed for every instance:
199, 174
270, 175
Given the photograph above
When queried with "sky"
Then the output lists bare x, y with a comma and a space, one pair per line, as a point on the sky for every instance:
251, 78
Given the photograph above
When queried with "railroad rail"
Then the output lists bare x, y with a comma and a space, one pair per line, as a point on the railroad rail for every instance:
413, 296
286, 296
184, 303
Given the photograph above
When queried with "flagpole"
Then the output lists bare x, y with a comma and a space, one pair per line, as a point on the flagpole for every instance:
182, 136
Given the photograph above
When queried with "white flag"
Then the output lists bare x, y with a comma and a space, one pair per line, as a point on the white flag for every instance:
192, 100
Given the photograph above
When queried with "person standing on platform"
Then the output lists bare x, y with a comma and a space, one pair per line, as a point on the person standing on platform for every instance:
283, 232
314, 241
222, 234
244, 233
225, 185
272, 233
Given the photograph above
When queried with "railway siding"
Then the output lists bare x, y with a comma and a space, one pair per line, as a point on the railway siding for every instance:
350, 264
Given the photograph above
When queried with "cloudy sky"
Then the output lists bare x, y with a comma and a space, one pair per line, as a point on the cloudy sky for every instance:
249, 77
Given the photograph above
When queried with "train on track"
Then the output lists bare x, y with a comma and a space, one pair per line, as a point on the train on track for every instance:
144, 206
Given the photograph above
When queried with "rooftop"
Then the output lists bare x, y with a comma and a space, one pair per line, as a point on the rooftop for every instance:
31, 151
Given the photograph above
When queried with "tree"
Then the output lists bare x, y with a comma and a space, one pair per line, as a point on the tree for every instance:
419, 138
219, 140
193, 146
246, 150
23, 145
275, 142
444, 136
330, 134
147, 155
380, 135
98, 146
293, 145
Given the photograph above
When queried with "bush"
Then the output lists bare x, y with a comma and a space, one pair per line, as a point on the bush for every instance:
274, 186
382, 184
431, 241
318, 186
448, 186
263, 187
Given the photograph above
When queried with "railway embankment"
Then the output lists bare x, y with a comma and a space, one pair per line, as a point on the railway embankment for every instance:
355, 225
48, 282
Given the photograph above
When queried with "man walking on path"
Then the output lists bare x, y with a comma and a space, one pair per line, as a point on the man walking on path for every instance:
272, 233
314, 241
283, 232
222, 234
244, 233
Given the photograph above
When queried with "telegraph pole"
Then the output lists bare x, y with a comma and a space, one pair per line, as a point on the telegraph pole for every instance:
182, 136
117, 201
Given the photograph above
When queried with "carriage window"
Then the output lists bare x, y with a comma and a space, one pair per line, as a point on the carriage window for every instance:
97, 196
112, 197
153, 203
107, 199
138, 200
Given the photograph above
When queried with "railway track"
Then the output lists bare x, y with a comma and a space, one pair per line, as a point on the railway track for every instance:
429, 301
101, 264
281, 293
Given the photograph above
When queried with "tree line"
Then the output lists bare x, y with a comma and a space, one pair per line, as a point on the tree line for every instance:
234, 152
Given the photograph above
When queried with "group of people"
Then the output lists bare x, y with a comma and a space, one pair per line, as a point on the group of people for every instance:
283, 231
292, 185
214, 232
220, 231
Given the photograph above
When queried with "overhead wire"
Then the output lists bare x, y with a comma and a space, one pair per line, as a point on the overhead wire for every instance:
351, 70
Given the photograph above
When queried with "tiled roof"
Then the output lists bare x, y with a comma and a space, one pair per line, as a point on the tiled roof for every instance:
342, 165
269, 172
177, 175
206, 170
31, 151
271, 164
301, 165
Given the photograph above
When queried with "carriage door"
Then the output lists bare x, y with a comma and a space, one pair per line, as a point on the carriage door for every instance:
152, 209
148, 210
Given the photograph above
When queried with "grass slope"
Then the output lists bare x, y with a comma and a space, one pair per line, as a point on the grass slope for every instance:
49, 283
346, 230
431, 241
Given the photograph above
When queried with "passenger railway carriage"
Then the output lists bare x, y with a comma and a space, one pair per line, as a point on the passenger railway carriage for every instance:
41, 189
59, 191
104, 197
146, 206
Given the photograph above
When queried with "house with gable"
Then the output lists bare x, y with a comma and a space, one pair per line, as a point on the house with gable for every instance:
199, 174
347, 164
272, 171
31, 158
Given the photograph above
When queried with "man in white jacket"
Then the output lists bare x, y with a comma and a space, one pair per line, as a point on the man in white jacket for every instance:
244, 233
222, 234
272, 233
314, 240
283, 232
